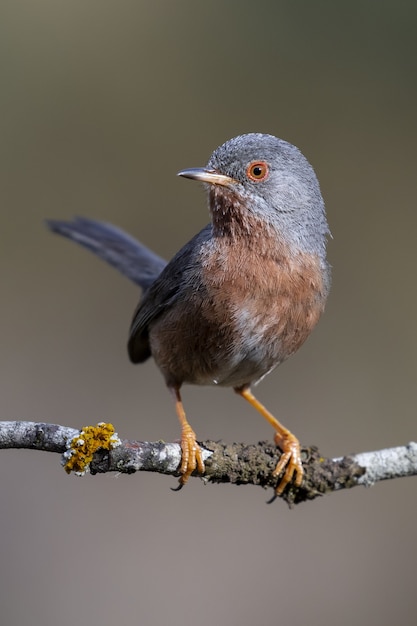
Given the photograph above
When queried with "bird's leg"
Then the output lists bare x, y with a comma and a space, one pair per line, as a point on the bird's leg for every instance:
290, 460
191, 458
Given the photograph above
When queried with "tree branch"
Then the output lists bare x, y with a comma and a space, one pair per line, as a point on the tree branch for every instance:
225, 463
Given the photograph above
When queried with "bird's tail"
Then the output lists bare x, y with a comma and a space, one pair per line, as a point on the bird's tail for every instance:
126, 254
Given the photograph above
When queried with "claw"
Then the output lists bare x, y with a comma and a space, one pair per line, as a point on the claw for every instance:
289, 463
191, 454
271, 500
192, 458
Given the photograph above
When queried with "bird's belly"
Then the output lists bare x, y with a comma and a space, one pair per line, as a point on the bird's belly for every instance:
241, 324
232, 347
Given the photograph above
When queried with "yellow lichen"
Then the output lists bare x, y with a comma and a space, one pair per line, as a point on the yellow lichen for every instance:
81, 448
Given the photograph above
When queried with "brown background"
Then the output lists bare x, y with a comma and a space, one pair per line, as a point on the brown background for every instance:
102, 103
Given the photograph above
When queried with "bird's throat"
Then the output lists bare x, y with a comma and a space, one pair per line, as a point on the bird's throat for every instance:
230, 217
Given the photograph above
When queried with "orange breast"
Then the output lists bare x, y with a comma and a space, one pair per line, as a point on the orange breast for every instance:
249, 312
272, 303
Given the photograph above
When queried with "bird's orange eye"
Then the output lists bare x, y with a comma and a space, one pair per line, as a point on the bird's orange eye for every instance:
257, 171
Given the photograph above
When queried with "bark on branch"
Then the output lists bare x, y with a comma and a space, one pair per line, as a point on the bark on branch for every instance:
225, 463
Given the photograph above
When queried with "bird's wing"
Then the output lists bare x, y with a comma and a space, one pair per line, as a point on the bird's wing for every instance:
163, 293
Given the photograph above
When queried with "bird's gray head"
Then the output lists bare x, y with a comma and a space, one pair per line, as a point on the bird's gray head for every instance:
274, 182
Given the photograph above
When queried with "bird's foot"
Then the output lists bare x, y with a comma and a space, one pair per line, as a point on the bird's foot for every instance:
192, 457
290, 461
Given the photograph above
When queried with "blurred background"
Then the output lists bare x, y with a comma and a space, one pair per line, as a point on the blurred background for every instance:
102, 103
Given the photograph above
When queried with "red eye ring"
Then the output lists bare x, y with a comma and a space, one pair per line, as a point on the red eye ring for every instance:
257, 171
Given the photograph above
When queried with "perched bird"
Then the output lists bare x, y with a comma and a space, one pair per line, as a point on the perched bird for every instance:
239, 298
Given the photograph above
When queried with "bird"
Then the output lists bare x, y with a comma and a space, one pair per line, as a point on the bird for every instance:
242, 295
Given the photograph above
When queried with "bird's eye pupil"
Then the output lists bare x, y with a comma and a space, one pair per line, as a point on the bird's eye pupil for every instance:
257, 171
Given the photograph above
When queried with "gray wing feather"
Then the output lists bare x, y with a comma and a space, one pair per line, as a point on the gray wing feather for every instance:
173, 281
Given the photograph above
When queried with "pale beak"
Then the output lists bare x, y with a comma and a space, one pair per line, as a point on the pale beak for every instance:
207, 176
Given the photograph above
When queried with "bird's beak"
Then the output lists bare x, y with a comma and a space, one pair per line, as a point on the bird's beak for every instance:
207, 176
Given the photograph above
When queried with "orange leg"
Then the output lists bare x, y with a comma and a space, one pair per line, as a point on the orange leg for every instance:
191, 458
290, 461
